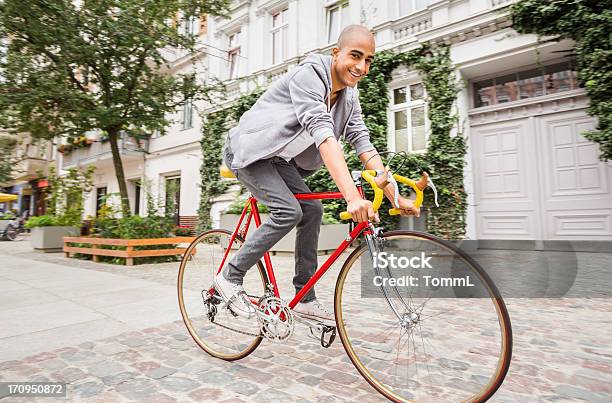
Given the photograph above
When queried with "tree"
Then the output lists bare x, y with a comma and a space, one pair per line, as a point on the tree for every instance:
73, 66
6, 151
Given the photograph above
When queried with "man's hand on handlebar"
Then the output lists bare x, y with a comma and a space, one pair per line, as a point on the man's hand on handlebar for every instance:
361, 210
406, 207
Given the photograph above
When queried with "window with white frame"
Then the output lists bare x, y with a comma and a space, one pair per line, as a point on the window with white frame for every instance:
337, 18
280, 35
233, 54
409, 120
187, 118
406, 7
190, 26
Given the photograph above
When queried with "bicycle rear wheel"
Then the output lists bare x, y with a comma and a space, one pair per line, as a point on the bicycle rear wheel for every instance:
423, 339
212, 325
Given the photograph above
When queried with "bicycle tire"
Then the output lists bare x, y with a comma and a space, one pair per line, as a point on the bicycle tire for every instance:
238, 350
20, 234
377, 375
10, 233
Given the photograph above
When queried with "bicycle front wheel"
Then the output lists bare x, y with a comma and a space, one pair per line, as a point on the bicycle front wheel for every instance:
210, 323
422, 321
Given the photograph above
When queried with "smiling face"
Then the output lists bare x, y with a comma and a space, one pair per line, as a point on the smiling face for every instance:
352, 57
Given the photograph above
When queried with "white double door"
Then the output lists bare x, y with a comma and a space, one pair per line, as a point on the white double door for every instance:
539, 178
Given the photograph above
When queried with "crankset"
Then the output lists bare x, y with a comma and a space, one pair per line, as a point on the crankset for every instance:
275, 318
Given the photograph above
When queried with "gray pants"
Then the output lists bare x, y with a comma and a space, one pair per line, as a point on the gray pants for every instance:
273, 182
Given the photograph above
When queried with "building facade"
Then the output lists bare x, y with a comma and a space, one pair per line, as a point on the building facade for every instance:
32, 159
530, 174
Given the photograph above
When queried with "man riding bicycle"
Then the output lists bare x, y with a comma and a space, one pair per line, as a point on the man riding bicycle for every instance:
290, 132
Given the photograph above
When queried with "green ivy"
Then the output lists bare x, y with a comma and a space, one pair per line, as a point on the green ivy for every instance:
589, 24
444, 159
214, 132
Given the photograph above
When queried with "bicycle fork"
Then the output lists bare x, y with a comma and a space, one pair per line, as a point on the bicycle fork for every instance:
375, 244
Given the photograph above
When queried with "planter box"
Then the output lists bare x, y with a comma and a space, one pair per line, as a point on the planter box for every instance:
330, 237
49, 239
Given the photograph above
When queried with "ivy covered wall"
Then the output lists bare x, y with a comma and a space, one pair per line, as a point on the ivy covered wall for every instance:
444, 159
589, 24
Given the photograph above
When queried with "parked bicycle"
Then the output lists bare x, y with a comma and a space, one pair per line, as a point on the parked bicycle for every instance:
409, 341
14, 230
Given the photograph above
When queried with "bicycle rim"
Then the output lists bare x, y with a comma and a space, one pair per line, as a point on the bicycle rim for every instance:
458, 344
11, 233
223, 335
20, 235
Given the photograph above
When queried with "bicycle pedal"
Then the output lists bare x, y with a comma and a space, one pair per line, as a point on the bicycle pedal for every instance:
327, 342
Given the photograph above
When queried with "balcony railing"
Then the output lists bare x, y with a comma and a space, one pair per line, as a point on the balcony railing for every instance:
412, 25
100, 150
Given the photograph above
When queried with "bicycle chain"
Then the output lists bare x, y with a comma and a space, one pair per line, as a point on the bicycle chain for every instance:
235, 330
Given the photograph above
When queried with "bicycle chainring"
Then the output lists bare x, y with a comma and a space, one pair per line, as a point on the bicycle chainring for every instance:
275, 319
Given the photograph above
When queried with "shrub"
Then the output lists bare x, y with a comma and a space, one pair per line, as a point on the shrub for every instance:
7, 216
182, 231
42, 221
237, 206
137, 227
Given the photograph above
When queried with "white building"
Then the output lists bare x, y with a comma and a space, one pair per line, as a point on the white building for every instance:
530, 173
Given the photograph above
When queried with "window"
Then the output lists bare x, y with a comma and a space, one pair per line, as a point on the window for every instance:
280, 31
190, 26
337, 18
406, 7
173, 198
137, 197
187, 118
233, 55
531, 83
409, 119
100, 198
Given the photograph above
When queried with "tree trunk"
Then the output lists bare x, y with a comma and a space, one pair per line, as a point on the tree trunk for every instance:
113, 138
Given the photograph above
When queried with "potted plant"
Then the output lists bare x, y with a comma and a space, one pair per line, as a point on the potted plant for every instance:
332, 230
48, 231
64, 209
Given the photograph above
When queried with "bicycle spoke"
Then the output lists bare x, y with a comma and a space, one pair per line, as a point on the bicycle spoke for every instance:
209, 321
428, 354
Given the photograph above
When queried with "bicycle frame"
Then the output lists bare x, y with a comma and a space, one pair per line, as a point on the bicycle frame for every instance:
250, 211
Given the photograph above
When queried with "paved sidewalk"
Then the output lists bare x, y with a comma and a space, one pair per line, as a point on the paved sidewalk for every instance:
114, 334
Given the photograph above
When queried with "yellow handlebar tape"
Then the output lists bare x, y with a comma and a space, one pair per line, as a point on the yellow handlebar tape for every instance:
368, 175
419, 193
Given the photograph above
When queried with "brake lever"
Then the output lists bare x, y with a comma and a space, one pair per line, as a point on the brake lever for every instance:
433, 187
391, 179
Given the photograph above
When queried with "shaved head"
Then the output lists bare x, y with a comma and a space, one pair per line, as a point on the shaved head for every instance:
352, 56
351, 32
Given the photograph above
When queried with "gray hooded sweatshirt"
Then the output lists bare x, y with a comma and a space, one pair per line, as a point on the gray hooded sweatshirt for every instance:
294, 102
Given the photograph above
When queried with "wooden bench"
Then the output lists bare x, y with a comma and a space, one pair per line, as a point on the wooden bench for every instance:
129, 253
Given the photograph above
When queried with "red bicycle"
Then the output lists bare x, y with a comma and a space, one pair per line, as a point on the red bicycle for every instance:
417, 316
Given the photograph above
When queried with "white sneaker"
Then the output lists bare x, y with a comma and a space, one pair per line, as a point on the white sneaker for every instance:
314, 310
235, 296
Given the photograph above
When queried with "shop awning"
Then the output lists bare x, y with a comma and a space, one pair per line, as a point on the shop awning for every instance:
5, 197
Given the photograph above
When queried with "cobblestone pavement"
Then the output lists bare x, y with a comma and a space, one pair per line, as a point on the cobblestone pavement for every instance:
562, 352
